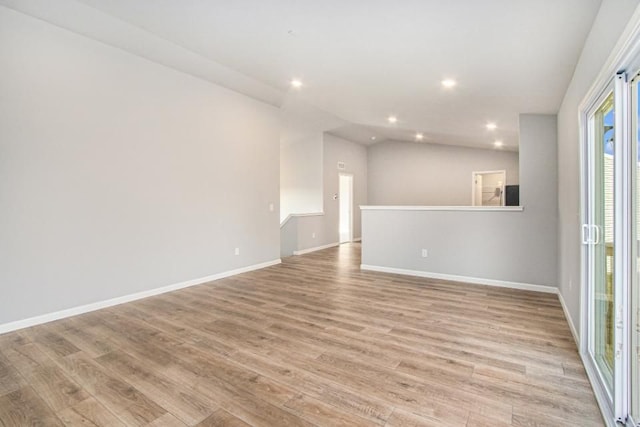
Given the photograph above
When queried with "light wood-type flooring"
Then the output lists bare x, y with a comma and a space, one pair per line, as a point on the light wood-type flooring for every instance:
313, 341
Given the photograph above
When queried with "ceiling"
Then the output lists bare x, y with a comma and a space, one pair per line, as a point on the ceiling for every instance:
361, 61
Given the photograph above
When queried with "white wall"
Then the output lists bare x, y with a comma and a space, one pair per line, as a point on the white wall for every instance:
289, 237
608, 25
118, 175
302, 232
405, 173
301, 175
516, 247
469, 245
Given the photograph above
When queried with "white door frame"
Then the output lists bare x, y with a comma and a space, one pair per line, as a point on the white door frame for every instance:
473, 184
634, 321
622, 175
350, 175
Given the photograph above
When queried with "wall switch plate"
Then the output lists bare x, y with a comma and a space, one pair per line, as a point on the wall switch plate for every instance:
425, 253
270, 207
237, 251
313, 235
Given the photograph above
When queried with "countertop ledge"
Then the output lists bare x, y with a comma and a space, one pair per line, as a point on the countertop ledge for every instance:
444, 208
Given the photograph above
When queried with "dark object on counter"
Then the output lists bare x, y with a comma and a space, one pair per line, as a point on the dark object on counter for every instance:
512, 195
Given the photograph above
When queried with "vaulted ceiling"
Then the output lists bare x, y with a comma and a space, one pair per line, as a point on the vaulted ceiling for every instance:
360, 61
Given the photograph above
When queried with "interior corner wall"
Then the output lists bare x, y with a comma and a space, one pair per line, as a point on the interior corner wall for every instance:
607, 28
119, 175
301, 175
302, 232
406, 173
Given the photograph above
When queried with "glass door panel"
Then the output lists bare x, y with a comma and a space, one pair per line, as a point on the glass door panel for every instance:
611, 254
602, 238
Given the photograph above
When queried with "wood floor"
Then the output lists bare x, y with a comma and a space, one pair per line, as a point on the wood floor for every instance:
313, 341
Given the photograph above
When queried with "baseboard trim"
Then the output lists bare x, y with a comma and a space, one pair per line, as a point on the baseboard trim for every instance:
317, 248
465, 279
358, 239
74, 311
572, 327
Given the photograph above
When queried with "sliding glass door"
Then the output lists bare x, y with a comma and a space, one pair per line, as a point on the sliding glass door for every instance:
608, 255
610, 258
601, 239
610, 291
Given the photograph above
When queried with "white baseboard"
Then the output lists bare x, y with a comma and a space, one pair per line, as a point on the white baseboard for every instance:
574, 332
50, 317
466, 279
317, 248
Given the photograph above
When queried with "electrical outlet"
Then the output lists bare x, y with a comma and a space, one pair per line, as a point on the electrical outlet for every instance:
237, 251
425, 253
570, 284
313, 235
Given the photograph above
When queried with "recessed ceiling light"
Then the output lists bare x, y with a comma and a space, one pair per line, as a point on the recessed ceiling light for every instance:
449, 83
392, 119
498, 144
296, 83
492, 126
419, 136
373, 138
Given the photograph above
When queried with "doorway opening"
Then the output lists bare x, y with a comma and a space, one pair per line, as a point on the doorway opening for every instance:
487, 188
346, 208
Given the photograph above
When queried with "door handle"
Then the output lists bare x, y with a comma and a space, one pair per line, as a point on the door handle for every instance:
597, 234
585, 239
590, 234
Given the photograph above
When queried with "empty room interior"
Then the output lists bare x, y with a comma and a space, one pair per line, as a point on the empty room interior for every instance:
320, 213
